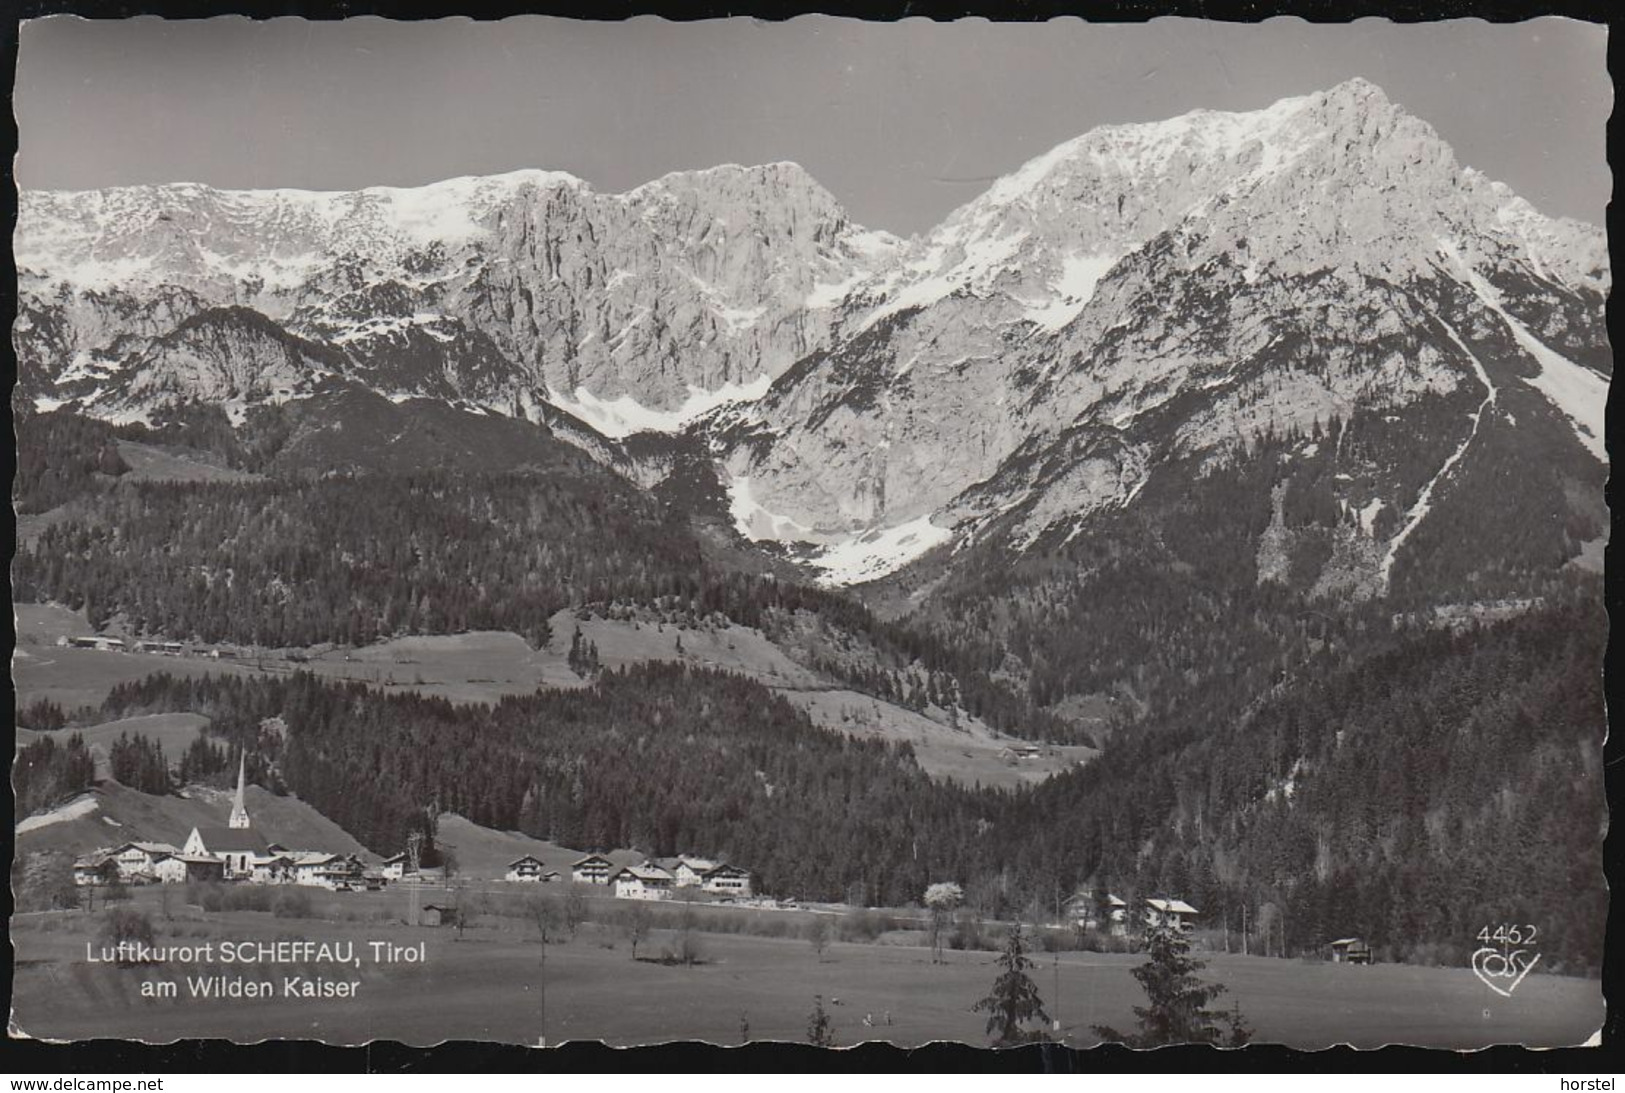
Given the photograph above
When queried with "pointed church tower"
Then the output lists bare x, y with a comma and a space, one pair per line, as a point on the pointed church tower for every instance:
239, 811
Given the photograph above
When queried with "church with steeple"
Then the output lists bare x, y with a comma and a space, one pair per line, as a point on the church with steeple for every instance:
236, 845
239, 810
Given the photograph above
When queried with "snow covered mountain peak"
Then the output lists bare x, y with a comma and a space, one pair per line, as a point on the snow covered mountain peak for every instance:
1149, 291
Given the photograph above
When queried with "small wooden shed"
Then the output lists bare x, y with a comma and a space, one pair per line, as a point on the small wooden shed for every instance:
1350, 950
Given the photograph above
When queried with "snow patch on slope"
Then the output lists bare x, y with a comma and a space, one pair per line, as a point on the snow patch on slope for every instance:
1080, 273
622, 416
1580, 394
1424, 500
755, 522
875, 554
80, 806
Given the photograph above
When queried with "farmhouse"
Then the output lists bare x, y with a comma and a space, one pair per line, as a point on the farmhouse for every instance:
108, 645
646, 881
690, 872
332, 871
729, 880
183, 868
96, 868
1175, 914
527, 868
271, 867
396, 866
1350, 950
1110, 916
138, 862
593, 869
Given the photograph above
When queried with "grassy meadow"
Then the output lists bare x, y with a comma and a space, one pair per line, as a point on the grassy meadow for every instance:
489, 982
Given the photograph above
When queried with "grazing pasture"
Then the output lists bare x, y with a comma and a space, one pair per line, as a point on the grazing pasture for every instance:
491, 984
164, 463
487, 666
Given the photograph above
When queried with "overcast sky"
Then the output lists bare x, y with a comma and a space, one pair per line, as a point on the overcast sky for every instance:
902, 122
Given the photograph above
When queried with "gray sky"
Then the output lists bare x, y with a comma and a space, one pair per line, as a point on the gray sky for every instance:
902, 122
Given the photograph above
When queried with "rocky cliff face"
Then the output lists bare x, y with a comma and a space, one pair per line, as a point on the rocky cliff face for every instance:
1149, 291
634, 309
1140, 298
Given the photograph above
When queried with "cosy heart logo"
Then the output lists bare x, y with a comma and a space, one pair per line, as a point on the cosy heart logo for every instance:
1502, 970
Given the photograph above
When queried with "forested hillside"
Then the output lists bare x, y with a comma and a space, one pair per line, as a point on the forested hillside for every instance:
350, 559
354, 558
1452, 782
59, 457
1221, 581
660, 758
1407, 798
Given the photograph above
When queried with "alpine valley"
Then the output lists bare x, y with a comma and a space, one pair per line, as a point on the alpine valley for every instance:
1250, 465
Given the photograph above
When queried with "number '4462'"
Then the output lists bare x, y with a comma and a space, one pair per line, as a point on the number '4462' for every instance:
1508, 935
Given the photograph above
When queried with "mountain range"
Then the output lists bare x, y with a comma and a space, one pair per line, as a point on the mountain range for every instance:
1257, 456
1145, 300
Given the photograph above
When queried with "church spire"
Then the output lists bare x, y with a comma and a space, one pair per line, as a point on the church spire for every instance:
239, 811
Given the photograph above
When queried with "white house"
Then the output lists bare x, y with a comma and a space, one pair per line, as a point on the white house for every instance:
690, 872
528, 868
646, 881
593, 869
728, 880
396, 866
1175, 914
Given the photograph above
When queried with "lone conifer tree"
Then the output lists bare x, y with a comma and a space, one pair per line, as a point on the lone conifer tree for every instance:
1177, 1012
820, 1029
1014, 1001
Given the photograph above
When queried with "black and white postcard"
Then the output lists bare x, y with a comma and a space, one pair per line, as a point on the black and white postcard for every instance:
821, 531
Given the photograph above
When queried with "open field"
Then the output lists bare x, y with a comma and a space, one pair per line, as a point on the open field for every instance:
487, 666
43, 623
75, 678
160, 463
489, 986
174, 732
970, 753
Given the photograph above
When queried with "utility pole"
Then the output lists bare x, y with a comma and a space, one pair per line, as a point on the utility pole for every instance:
1055, 1013
414, 851
1246, 949
542, 1042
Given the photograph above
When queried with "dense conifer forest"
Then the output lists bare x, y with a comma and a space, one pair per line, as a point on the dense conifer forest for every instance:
1405, 798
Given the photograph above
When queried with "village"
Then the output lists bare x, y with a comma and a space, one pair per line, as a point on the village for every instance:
237, 853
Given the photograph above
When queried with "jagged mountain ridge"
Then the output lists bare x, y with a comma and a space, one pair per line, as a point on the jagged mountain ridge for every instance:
633, 309
1220, 274
1135, 296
